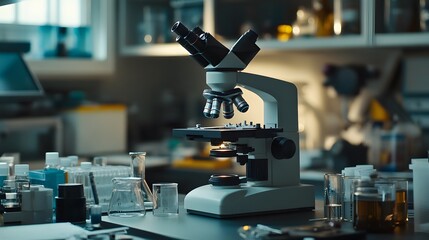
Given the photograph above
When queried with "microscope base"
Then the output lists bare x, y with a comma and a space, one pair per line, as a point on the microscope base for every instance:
227, 202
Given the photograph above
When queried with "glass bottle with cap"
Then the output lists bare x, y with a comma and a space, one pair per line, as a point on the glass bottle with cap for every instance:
53, 175
21, 177
65, 162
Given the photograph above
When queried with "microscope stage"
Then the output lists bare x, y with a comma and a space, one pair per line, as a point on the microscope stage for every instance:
226, 133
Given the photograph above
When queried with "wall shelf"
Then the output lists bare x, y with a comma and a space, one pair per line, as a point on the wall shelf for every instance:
220, 23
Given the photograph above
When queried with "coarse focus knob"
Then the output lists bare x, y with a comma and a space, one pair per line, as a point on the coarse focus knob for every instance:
283, 148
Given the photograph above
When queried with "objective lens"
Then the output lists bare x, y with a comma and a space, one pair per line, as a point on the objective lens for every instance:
216, 103
228, 110
241, 104
207, 108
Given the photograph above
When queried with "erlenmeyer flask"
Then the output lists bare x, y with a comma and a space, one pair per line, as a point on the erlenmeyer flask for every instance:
127, 199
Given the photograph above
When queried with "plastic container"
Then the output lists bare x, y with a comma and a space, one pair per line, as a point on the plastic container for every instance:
71, 204
102, 178
420, 168
51, 176
4, 173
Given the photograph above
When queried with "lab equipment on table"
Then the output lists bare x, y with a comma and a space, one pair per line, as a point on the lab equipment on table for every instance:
269, 150
101, 181
4, 173
320, 230
9, 160
138, 170
420, 168
10, 198
400, 208
333, 196
51, 176
127, 199
96, 212
374, 206
165, 199
1, 215
71, 204
36, 205
350, 175
21, 177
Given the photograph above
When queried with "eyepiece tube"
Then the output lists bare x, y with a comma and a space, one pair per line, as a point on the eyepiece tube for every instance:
194, 52
189, 36
245, 47
205, 44
180, 29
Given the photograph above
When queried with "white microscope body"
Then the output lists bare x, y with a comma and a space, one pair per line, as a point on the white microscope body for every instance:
270, 151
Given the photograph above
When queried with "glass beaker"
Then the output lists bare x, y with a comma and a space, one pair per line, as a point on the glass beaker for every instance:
333, 194
374, 206
127, 199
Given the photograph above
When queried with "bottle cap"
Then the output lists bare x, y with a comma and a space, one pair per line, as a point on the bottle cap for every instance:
86, 165
4, 169
52, 158
22, 169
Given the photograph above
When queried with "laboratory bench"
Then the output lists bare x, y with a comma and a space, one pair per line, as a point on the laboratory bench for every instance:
189, 226
189, 179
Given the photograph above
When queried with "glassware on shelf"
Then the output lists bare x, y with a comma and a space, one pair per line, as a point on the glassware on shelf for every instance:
127, 200
324, 16
424, 15
346, 17
401, 16
305, 24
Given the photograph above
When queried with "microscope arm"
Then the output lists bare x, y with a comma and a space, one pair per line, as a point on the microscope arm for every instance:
280, 99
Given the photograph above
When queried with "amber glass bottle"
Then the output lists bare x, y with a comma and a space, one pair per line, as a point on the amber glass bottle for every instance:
324, 16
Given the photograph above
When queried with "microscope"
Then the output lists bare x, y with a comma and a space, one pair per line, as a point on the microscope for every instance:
270, 150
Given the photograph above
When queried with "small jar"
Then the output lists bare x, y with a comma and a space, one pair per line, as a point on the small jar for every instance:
374, 206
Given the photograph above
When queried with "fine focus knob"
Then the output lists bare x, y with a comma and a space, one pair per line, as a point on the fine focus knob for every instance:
283, 148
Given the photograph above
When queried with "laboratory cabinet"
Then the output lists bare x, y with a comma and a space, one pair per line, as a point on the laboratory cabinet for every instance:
145, 25
100, 60
281, 25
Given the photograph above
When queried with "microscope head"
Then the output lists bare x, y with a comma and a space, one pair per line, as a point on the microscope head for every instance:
212, 54
221, 65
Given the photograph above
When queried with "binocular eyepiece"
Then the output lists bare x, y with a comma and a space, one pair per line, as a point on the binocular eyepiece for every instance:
201, 45
205, 49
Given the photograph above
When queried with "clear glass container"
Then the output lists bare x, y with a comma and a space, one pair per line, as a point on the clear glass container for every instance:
374, 206
127, 199
138, 166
